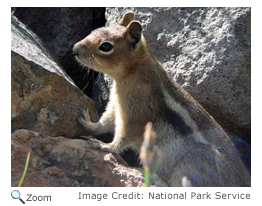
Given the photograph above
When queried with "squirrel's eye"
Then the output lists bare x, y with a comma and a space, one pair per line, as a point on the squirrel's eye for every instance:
106, 47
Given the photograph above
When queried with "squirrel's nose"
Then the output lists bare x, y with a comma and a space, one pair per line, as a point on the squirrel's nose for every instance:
76, 49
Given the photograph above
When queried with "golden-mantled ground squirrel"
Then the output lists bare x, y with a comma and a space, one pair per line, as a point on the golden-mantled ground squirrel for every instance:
190, 145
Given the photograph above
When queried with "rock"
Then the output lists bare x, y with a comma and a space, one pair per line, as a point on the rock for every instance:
59, 161
60, 29
27, 44
207, 51
43, 96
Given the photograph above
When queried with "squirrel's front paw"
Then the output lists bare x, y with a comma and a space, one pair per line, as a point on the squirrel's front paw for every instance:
84, 119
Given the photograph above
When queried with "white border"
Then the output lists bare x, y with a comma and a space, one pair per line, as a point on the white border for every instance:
70, 195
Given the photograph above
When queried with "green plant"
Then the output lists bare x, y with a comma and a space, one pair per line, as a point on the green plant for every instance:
25, 169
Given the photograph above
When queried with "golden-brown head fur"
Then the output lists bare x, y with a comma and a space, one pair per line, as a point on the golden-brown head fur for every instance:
127, 45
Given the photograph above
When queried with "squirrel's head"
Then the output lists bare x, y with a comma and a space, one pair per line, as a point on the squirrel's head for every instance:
112, 49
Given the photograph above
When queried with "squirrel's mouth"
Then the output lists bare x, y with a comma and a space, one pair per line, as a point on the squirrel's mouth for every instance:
83, 56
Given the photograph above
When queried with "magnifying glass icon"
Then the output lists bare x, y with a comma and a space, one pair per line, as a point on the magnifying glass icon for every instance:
16, 195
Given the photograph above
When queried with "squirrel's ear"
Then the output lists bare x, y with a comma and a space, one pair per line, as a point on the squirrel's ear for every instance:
134, 33
127, 18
